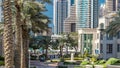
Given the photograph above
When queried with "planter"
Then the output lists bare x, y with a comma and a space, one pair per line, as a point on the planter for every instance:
113, 66
98, 66
89, 66
1, 66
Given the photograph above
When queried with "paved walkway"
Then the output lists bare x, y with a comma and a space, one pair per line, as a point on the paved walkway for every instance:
39, 64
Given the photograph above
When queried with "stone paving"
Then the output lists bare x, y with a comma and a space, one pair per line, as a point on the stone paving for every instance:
39, 64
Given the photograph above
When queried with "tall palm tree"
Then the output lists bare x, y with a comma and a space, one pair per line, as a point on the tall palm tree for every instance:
46, 43
24, 11
8, 36
114, 26
61, 42
18, 36
33, 20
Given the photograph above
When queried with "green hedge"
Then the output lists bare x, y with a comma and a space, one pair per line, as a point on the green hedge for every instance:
62, 67
1, 63
85, 63
71, 63
111, 61
1, 58
75, 58
100, 62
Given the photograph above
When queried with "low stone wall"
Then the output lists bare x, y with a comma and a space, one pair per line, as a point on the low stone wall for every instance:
98, 66
1, 66
113, 66
87, 66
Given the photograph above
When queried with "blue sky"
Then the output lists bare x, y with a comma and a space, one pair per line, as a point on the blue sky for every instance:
49, 13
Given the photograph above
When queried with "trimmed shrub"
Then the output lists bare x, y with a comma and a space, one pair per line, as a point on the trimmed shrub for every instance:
71, 63
62, 60
1, 58
62, 67
1, 63
111, 61
85, 63
66, 56
117, 63
75, 58
100, 62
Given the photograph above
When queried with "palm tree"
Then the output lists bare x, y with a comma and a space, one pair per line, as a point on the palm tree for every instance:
114, 26
18, 36
8, 36
46, 44
61, 42
26, 10
74, 40
37, 23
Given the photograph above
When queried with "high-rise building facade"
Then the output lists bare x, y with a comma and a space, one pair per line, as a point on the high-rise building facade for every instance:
70, 21
112, 5
70, 3
60, 13
62, 10
87, 13
1, 10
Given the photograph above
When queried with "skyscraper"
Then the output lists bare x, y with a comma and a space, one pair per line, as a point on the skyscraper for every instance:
70, 21
60, 13
86, 13
1, 10
112, 5
70, 3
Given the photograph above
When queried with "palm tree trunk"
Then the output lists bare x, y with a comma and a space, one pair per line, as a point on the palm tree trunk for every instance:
46, 52
8, 36
25, 46
18, 37
61, 51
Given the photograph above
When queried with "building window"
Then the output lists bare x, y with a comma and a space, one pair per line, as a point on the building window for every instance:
118, 48
73, 26
109, 48
101, 48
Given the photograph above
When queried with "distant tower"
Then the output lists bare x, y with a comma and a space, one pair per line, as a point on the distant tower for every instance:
112, 5
70, 22
87, 14
1, 10
70, 3
60, 13
102, 11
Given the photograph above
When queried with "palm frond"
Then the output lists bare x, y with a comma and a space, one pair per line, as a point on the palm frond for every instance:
114, 26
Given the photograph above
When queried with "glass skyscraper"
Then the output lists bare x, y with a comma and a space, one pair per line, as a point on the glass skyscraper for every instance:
86, 13
70, 3
1, 10
60, 13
